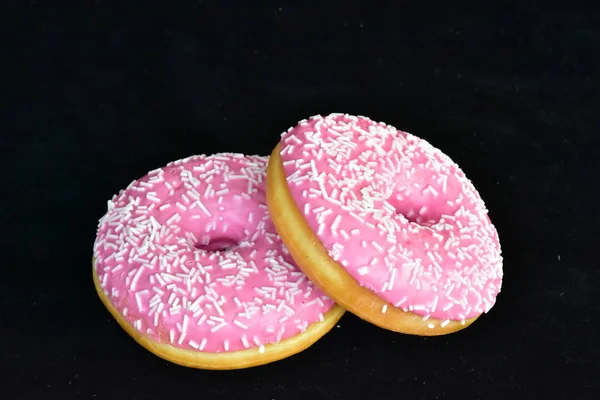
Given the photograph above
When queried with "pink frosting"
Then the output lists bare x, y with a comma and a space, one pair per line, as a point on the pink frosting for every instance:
396, 213
190, 250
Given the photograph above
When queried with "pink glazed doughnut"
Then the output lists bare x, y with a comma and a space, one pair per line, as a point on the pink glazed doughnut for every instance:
387, 225
188, 262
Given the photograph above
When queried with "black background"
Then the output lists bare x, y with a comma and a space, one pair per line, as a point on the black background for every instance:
95, 95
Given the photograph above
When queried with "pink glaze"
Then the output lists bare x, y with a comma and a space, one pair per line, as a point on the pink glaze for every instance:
396, 213
160, 258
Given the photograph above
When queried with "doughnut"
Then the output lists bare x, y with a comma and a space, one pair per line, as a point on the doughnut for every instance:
187, 260
385, 224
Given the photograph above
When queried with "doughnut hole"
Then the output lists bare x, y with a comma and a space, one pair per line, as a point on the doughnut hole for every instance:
216, 244
222, 236
410, 204
416, 208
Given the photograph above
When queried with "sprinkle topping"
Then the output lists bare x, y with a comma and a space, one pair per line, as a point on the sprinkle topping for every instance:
188, 255
398, 214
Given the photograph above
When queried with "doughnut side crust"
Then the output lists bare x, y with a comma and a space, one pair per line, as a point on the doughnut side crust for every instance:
228, 360
313, 259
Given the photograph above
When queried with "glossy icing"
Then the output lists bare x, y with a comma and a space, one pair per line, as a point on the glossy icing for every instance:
398, 214
189, 255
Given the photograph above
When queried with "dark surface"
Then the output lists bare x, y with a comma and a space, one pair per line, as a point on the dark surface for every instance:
95, 96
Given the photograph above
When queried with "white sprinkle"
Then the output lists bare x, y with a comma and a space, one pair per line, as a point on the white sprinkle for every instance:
136, 278
208, 190
322, 187
289, 149
186, 320
402, 301
313, 167
446, 322
217, 327
318, 210
335, 224
363, 271
245, 342
150, 196
160, 280
104, 278
307, 209
203, 344
435, 302
241, 325
138, 299
321, 229
203, 208
392, 279
430, 255
384, 308
157, 313
377, 246
173, 218
201, 320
